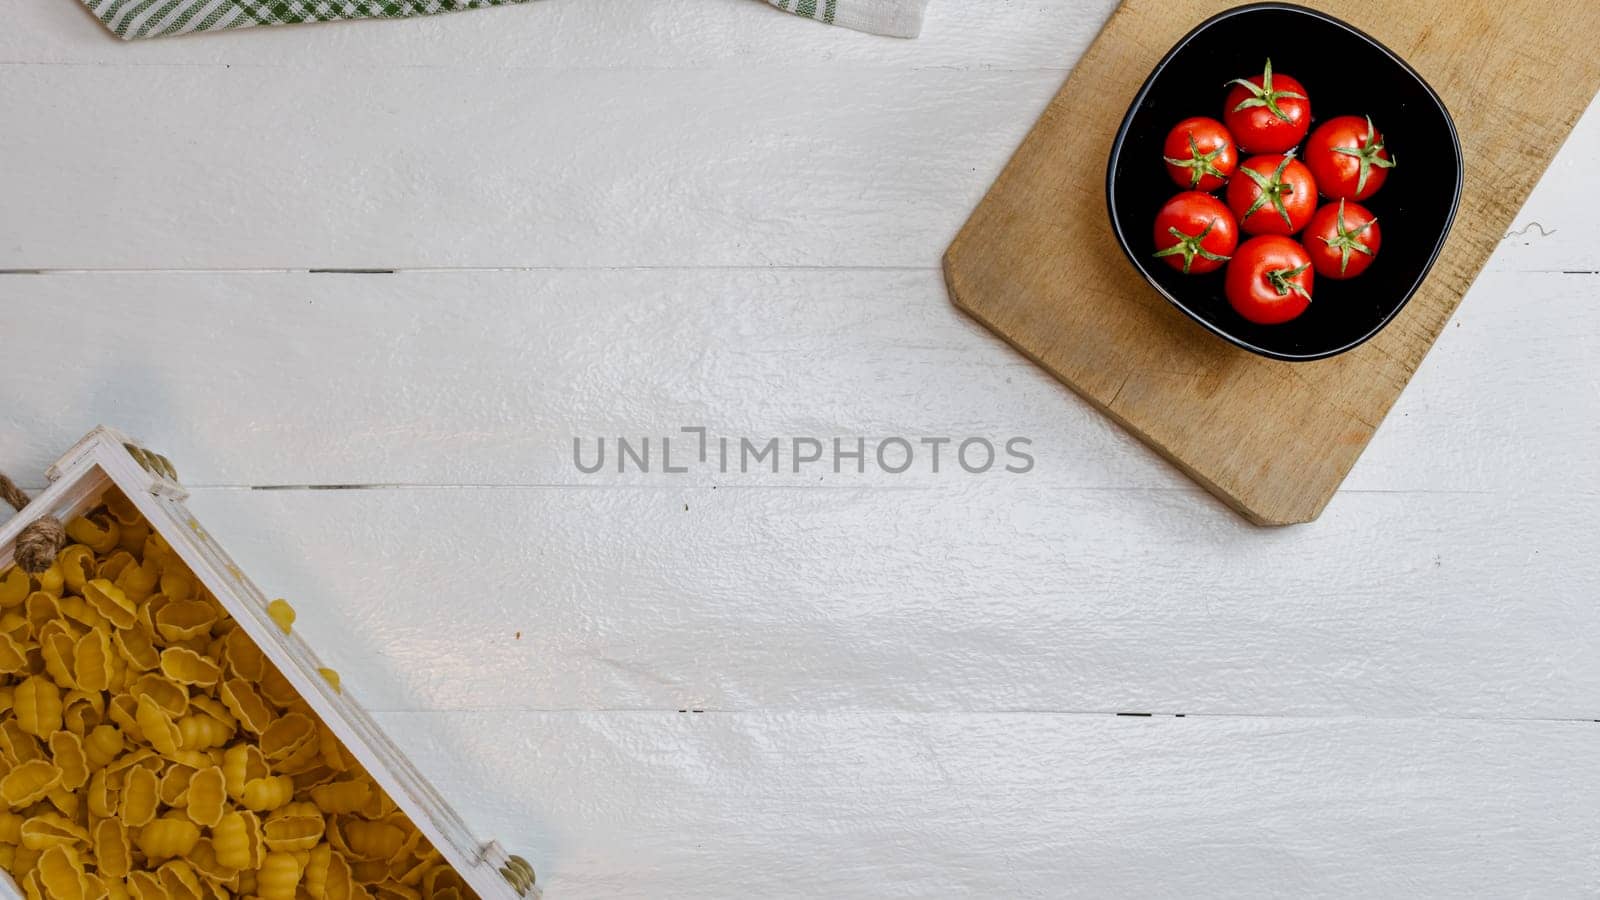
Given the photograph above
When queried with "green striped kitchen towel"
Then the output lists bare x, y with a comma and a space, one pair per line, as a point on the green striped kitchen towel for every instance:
129, 19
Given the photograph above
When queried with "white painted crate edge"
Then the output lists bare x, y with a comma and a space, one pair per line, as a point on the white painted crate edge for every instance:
104, 457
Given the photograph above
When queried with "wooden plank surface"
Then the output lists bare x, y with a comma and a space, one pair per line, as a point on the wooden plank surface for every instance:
841, 803
1272, 439
898, 708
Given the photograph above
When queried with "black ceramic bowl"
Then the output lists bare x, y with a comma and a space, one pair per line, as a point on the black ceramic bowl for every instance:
1415, 206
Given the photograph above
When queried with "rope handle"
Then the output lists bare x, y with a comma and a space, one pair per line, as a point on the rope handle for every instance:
38, 543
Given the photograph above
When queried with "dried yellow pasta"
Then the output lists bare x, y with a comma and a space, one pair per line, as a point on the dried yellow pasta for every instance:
13, 655
16, 745
144, 885
37, 703
82, 711
150, 751
103, 800
136, 648
61, 873
113, 851
288, 735
238, 840
98, 530
184, 666
282, 614
207, 796
167, 837
331, 677
278, 877
180, 880
278, 689
246, 705
50, 581
101, 745
110, 567
157, 726
57, 646
170, 697
140, 797
139, 581
293, 833
66, 750
105, 598
29, 783
372, 840
173, 787
242, 764
244, 659
181, 620
269, 793
15, 586
198, 731
342, 796
95, 661
50, 829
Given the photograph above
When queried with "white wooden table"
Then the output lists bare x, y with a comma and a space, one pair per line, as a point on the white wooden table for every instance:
606, 217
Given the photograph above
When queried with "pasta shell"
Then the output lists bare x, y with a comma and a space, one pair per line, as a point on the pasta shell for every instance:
168, 837
94, 661
140, 797
341, 796
98, 530
271, 792
113, 851
245, 705
198, 731
185, 666
278, 877
102, 744
242, 764
136, 648
183, 619
13, 656
286, 736
28, 783
50, 829
157, 726
15, 585
293, 833
169, 697
243, 657
111, 601
37, 704
238, 841
207, 796
66, 750
61, 874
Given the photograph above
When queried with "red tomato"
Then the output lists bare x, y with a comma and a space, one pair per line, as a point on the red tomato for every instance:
1343, 240
1195, 233
1348, 158
1277, 195
1269, 281
1200, 154
1268, 113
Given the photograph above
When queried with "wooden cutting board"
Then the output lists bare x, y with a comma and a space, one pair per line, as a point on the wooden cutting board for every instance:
1272, 439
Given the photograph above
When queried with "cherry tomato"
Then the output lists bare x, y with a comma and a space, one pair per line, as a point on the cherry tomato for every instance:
1268, 113
1276, 195
1200, 154
1343, 239
1195, 233
1347, 156
1269, 281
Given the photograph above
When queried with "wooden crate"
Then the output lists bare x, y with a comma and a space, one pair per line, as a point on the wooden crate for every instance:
105, 458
